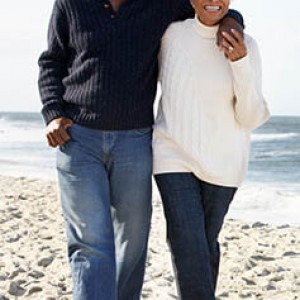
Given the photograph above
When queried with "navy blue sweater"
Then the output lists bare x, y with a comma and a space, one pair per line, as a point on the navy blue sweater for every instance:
100, 68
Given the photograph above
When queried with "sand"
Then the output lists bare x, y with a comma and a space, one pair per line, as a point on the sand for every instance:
259, 261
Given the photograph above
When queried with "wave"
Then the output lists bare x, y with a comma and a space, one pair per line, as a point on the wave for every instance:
272, 137
20, 134
17, 129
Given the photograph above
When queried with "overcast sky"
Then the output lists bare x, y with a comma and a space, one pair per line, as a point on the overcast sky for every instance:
276, 27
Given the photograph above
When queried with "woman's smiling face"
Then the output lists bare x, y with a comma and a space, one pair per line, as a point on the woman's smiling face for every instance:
210, 12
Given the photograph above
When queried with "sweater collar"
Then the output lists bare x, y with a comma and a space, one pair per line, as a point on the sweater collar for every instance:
204, 30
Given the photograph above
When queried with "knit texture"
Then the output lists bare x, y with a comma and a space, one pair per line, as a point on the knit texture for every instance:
100, 68
209, 106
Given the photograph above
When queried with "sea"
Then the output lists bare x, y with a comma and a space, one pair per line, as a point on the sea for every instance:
270, 193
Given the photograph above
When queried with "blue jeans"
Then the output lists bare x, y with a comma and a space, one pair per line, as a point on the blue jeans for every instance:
195, 212
105, 187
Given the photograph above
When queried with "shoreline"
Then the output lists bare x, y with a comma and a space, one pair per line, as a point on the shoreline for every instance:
258, 261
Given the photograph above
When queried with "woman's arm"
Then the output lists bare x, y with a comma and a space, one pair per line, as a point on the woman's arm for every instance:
250, 107
53, 65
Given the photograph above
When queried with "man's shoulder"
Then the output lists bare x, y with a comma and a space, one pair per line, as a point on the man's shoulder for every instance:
68, 3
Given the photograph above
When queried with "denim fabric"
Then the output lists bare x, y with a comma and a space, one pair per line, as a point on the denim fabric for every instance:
195, 212
105, 187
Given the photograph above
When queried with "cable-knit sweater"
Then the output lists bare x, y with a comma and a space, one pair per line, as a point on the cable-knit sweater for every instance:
209, 105
100, 68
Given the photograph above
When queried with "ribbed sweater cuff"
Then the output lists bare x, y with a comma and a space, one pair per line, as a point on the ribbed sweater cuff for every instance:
51, 112
242, 66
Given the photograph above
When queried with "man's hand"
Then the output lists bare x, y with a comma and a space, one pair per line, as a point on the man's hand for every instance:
57, 131
226, 25
234, 46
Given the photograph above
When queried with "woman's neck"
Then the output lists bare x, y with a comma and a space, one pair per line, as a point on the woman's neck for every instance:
116, 4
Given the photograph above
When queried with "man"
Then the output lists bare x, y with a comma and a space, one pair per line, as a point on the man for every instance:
97, 84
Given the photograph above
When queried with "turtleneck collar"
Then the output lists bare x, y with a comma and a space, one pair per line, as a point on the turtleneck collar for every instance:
204, 30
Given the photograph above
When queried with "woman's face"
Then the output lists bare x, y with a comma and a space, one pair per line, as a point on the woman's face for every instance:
210, 12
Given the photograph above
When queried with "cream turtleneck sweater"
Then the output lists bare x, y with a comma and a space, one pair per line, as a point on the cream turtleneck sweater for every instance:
209, 106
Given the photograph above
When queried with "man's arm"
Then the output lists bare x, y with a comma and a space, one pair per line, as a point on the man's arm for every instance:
53, 68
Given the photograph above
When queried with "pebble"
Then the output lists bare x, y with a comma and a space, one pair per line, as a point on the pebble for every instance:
22, 197
290, 253
280, 269
245, 227
270, 287
263, 258
277, 278
36, 274
250, 264
12, 238
224, 295
3, 277
45, 262
258, 225
283, 226
245, 295
15, 289
34, 289
263, 272
249, 281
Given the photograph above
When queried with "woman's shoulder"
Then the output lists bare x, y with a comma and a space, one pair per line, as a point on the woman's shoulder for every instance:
177, 29
250, 42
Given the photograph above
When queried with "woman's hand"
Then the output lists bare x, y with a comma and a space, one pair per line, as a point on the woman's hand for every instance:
233, 46
57, 131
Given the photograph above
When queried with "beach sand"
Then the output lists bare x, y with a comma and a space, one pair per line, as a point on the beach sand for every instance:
259, 261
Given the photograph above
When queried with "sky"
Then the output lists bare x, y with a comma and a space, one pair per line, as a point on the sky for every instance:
23, 31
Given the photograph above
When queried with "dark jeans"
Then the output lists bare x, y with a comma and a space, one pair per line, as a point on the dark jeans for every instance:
195, 212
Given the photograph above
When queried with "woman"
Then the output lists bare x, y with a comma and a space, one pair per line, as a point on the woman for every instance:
211, 100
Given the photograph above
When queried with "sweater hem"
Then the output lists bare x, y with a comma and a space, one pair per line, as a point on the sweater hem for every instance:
201, 176
112, 124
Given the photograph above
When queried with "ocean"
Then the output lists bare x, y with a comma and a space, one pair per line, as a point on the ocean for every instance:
271, 192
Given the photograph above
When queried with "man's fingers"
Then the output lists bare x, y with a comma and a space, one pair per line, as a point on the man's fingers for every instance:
57, 131
227, 53
55, 138
64, 135
60, 136
230, 39
51, 140
238, 36
219, 39
67, 124
226, 45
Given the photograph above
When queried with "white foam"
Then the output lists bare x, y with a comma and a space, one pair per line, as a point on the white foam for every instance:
269, 137
267, 203
20, 132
